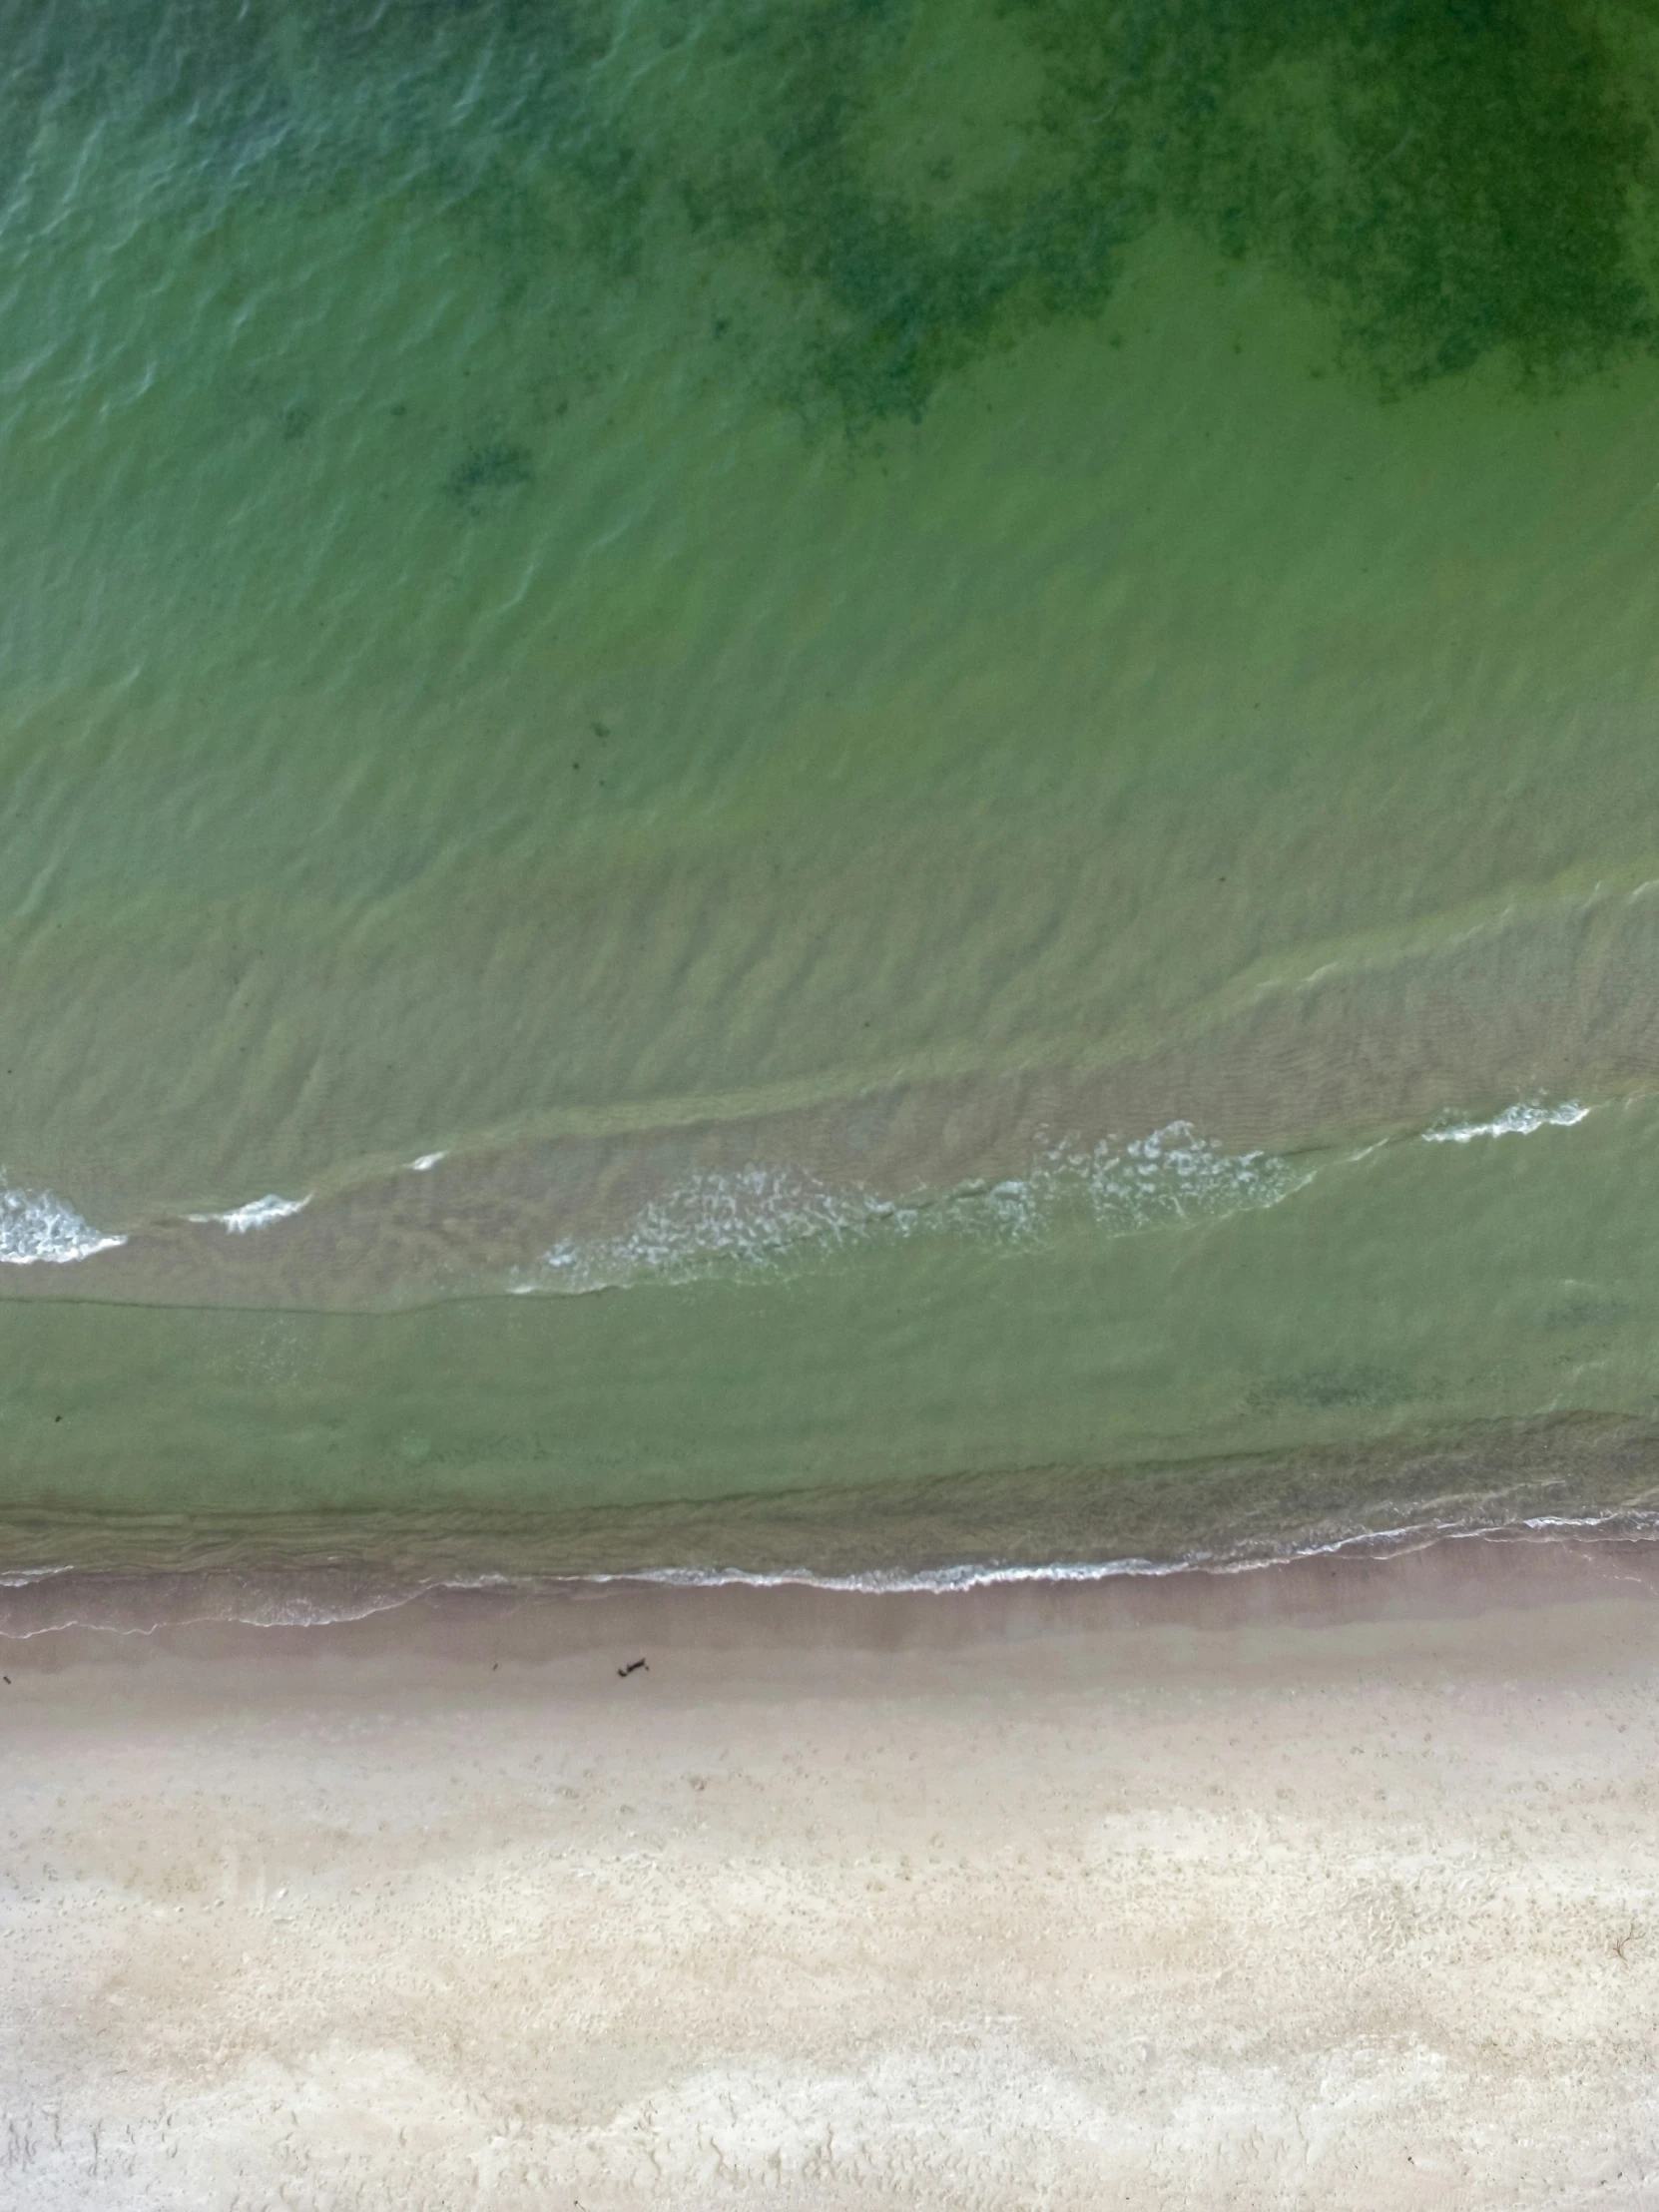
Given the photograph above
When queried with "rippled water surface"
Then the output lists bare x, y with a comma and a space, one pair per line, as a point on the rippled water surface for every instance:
768, 753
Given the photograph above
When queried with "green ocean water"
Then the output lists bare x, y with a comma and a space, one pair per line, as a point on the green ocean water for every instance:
882, 764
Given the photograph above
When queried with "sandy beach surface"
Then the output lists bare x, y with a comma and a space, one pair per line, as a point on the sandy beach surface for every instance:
1333, 1886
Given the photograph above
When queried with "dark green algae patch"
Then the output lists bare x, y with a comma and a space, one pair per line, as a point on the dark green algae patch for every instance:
1451, 181
882, 191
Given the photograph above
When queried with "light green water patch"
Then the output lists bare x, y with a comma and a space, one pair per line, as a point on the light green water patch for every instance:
1412, 1294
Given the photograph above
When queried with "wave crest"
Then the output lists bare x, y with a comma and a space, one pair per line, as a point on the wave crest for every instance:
1514, 1121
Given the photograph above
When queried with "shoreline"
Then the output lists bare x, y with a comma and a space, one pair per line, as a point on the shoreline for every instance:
1539, 1487
68, 1620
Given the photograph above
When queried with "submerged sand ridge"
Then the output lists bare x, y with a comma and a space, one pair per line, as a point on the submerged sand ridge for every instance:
1345, 1898
1234, 1100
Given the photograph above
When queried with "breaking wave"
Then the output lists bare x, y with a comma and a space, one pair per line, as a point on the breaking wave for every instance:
1514, 1121
759, 1218
258, 1213
36, 1226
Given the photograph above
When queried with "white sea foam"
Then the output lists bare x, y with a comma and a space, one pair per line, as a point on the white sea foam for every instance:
258, 1213
285, 1602
1514, 1121
1244, 1558
900, 1581
1173, 1175
757, 1218
747, 1219
138, 1605
36, 1226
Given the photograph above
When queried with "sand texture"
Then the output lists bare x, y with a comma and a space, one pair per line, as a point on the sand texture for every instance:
994, 1902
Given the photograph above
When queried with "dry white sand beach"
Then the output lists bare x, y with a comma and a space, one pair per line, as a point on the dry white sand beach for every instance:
1324, 1888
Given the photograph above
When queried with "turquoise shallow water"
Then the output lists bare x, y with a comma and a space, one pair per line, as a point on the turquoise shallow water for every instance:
875, 764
